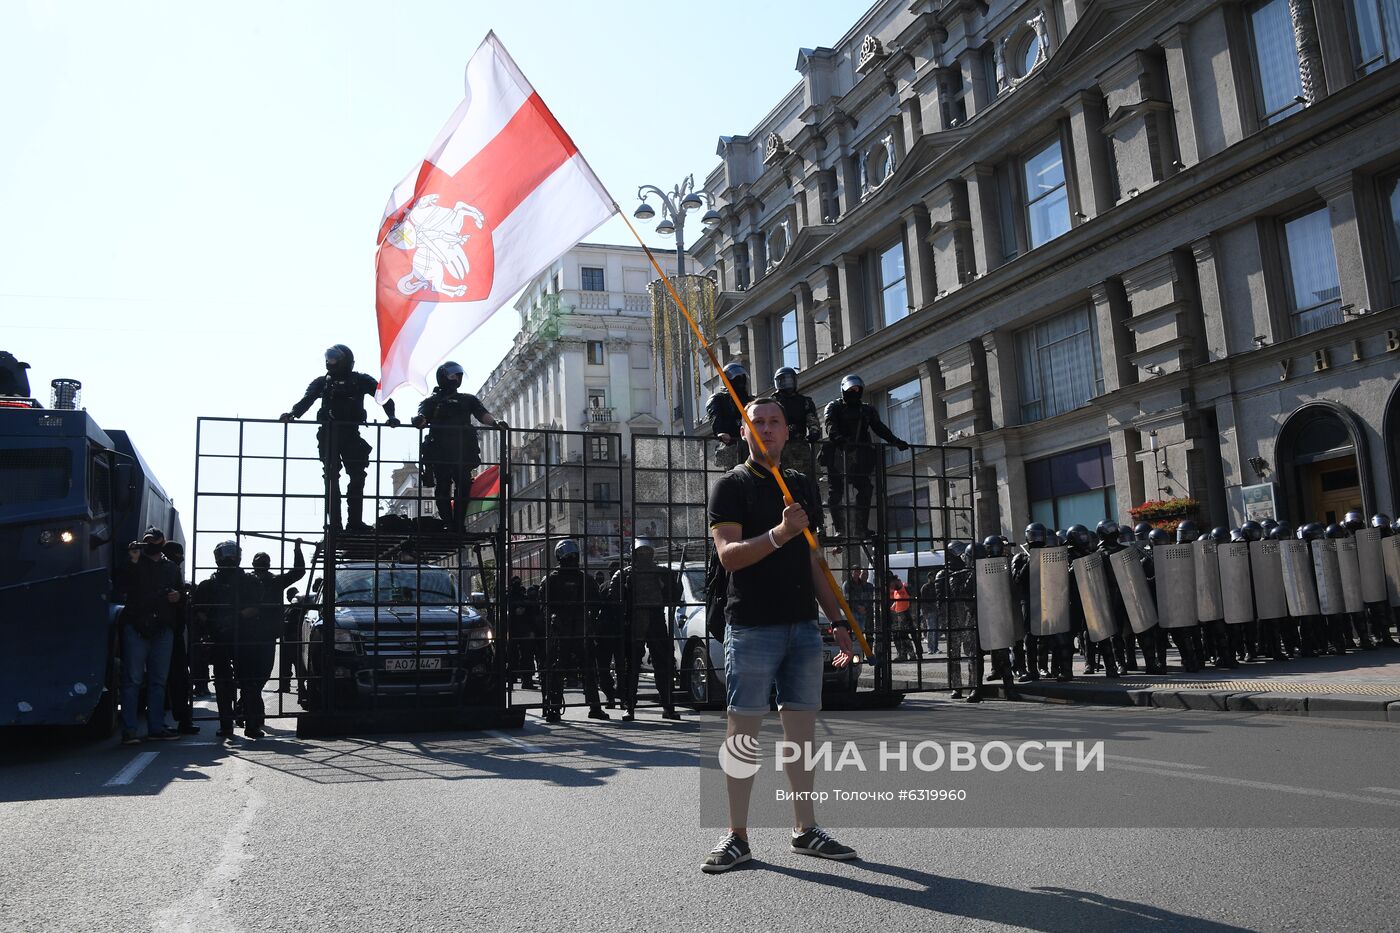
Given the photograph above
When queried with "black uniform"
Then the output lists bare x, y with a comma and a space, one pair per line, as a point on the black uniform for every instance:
647, 591
725, 419
850, 457
338, 438
523, 608
569, 597
804, 430
229, 608
274, 620
452, 450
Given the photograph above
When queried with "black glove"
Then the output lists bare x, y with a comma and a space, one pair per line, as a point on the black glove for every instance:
902, 445
813, 437
286, 416
502, 425
392, 422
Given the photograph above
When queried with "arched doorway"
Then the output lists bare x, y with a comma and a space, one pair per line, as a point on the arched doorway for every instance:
1322, 464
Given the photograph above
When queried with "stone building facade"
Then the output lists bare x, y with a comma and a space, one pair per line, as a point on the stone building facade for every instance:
1123, 250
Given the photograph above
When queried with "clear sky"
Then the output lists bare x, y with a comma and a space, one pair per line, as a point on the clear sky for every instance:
191, 191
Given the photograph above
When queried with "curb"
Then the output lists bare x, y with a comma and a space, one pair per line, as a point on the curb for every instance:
1327, 705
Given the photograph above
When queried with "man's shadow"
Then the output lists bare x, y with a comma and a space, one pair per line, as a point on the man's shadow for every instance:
1047, 909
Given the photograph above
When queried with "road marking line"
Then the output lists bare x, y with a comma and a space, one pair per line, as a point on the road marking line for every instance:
495, 734
134, 767
1383, 790
1154, 761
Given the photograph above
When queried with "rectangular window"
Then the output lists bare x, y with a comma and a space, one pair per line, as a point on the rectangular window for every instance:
787, 339
595, 353
1047, 197
1006, 211
1275, 61
100, 486
40, 474
1390, 207
602, 493
1072, 488
894, 293
599, 448
904, 414
1377, 33
592, 279
1314, 293
741, 267
1059, 365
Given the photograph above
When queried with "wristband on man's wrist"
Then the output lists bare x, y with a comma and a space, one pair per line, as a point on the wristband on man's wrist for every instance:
773, 539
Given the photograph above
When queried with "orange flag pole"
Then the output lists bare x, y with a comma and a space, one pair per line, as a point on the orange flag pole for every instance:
753, 433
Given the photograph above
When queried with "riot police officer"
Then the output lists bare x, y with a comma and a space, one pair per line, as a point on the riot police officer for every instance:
725, 419
523, 634
342, 393
451, 450
1091, 605
649, 594
1378, 608
804, 429
273, 619
227, 607
957, 617
569, 596
1049, 641
850, 456
1110, 536
996, 622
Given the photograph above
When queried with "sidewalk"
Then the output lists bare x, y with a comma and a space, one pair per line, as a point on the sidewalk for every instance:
1361, 685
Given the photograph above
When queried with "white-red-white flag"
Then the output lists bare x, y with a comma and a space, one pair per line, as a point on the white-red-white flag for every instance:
501, 194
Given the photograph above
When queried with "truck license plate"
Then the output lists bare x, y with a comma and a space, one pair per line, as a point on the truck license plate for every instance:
411, 664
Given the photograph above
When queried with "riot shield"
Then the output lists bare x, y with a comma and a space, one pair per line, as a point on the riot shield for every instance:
1091, 576
1350, 567
1050, 590
1390, 547
1209, 606
1175, 568
1299, 585
996, 606
1372, 561
1328, 574
1235, 592
1132, 583
1266, 569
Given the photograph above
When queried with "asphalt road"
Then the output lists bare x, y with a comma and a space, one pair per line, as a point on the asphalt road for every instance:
597, 826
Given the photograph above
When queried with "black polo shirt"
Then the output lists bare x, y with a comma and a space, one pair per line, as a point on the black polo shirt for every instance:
778, 589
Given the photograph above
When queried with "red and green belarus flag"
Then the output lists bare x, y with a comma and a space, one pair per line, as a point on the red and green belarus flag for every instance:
486, 491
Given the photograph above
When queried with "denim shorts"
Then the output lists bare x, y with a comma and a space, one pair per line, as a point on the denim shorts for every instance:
756, 657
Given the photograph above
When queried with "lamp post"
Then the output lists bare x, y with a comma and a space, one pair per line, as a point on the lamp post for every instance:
680, 201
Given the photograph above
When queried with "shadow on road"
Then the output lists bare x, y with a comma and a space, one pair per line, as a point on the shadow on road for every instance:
1047, 909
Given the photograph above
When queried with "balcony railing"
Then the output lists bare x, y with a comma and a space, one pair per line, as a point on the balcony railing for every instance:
598, 415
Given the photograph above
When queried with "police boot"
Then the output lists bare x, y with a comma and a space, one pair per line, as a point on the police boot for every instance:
1148, 641
354, 513
1125, 652
1091, 657
1110, 664
861, 519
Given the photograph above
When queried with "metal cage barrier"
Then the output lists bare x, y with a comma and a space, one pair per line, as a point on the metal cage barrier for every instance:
405, 620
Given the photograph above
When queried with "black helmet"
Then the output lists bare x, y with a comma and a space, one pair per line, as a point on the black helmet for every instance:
227, 554
1268, 524
1281, 531
1312, 531
262, 559
1336, 531
1107, 531
979, 551
566, 552
339, 360
174, 550
852, 387
1236, 536
1380, 520
1141, 530
451, 375
1157, 537
953, 555
1036, 535
1252, 531
737, 374
1354, 521
1220, 534
1080, 538
785, 379
993, 545
1187, 531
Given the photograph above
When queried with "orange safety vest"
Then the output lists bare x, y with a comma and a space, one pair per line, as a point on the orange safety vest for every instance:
899, 598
